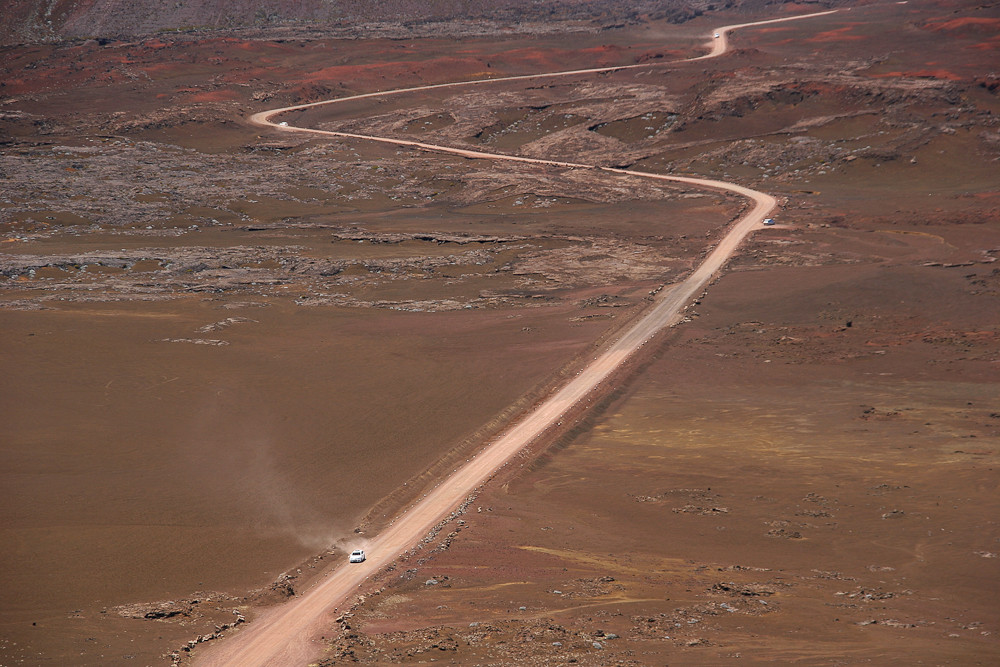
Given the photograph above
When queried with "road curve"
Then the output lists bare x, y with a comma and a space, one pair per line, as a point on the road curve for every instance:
288, 634
720, 44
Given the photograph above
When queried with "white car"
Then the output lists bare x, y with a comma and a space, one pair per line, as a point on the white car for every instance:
768, 221
357, 556
717, 35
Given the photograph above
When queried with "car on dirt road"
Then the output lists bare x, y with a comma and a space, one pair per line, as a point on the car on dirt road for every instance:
357, 556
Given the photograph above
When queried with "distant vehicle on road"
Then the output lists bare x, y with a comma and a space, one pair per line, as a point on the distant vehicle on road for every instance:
357, 556
283, 123
717, 35
768, 221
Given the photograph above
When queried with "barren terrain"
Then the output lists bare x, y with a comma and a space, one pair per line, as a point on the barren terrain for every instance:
230, 354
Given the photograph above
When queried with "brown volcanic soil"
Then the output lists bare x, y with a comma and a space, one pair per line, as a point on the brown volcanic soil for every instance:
775, 486
806, 471
225, 350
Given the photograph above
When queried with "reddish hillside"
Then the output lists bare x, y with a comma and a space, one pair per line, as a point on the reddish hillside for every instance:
38, 20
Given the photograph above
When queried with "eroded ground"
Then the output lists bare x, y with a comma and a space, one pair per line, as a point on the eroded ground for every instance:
226, 351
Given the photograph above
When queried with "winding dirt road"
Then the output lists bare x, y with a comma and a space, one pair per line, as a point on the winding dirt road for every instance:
289, 634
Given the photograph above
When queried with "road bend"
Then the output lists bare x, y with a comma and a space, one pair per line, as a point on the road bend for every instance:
290, 633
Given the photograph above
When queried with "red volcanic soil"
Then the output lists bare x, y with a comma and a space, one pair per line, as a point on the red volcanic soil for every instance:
982, 28
838, 35
921, 74
966, 24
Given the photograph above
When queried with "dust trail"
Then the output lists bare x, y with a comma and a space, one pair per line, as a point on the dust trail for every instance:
280, 510
246, 476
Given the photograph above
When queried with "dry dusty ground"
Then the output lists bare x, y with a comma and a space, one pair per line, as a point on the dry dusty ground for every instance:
226, 352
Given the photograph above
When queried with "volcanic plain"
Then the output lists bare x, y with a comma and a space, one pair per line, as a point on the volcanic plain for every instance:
230, 354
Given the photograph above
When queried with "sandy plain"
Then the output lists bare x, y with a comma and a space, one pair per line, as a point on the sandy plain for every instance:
199, 413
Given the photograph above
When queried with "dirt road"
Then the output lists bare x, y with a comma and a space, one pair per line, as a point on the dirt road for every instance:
720, 44
290, 634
